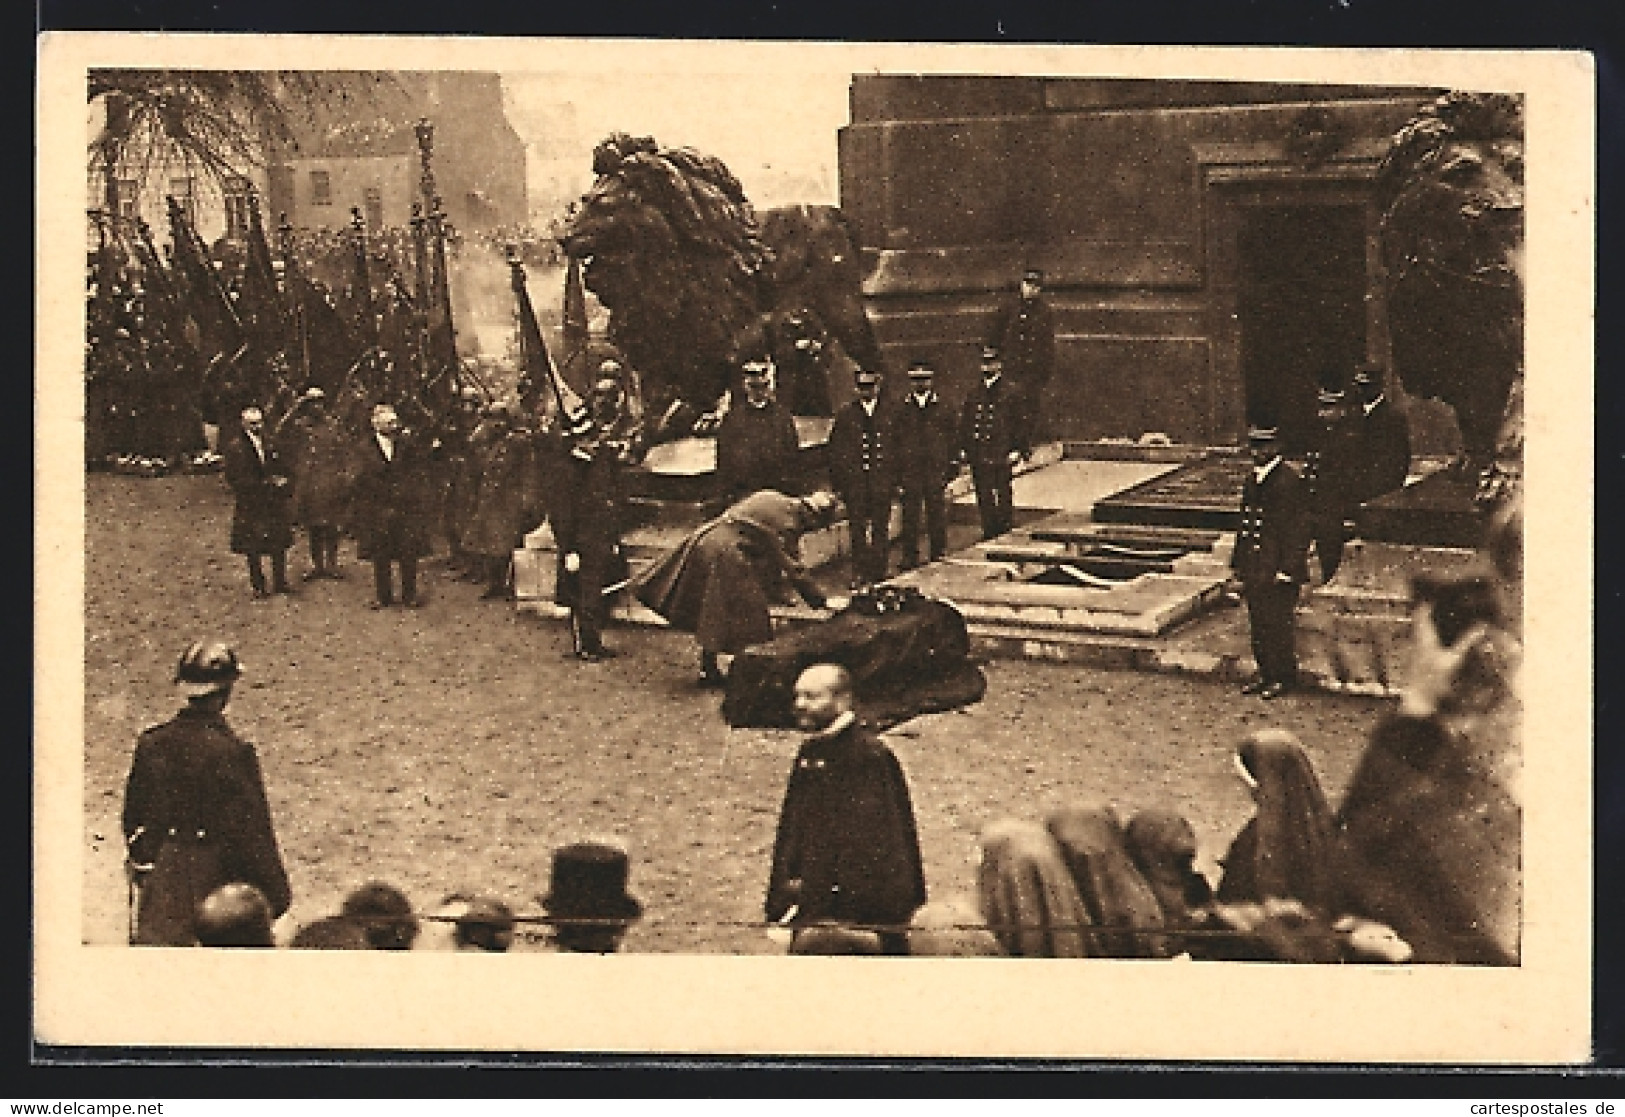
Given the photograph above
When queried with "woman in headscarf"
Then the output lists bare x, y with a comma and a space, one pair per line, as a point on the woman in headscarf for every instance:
720, 581
1284, 852
1163, 847
1028, 897
1091, 840
951, 929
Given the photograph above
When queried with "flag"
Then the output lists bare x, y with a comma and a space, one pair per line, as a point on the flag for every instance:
575, 320
536, 364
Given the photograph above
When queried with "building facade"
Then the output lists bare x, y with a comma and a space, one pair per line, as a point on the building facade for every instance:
1210, 248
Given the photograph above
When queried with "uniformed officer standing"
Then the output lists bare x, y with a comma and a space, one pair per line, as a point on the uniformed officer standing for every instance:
1330, 470
587, 517
195, 812
926, 463
1385, 439
756, 441
1026, 337
863, 468
991, 439
1272, 560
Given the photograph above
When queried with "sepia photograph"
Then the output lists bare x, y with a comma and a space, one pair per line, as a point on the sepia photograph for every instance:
1048, 525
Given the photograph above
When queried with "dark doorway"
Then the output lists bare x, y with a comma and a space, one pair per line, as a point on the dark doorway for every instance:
1301, 309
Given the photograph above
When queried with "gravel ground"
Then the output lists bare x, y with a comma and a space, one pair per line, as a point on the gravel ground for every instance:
455, 746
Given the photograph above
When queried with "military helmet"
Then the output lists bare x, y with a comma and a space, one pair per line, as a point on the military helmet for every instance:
206, 667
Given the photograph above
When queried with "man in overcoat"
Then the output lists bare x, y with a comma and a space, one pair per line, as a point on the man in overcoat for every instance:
1026, 337
323, 473
195, 811
991, 439
1271, 558
1385, 439
508, 505
261, 520
587, 517
721, 581
847, 849
756, 441
1330, 473
390, 507
863, 468
926, 462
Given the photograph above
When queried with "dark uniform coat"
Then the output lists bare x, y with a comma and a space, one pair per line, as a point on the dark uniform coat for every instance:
391, 512
508, 504
1331, 475
262, 519
990, 430
1273, 539
863, 469
720, 582
195, 810
847, 833
1385, 450
587, 517
926, 454
1026, 341
756, 449
324, 471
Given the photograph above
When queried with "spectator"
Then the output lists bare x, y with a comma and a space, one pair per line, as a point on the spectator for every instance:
235, 914
1028, 896
1284, 852
384, 915
1112, 889
846, 848
835, 939
261, 521
951, 929
335, 932
588, 901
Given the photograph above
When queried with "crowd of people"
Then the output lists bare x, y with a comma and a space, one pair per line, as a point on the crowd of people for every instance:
1419, 861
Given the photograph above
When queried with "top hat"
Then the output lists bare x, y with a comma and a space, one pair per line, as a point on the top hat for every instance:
589, 882
920, 368
1262, 434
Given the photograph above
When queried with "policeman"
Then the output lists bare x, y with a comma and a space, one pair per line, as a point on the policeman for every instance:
195, 811
1330, 471
991, 439
1271, 559
863, 468
926, 463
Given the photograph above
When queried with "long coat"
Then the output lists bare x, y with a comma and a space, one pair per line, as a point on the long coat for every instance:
324, 472
508, 503
1385, 450
863, 456
1026, 339
261, 520
924, 440
847, 833
756, 449
720, 582
391, 509
990, 426
588, 514
1274, 534
195, 810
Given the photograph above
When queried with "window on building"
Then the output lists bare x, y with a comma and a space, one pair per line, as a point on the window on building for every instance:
321, 188
124, 194
236, 197
373, 199
182, 190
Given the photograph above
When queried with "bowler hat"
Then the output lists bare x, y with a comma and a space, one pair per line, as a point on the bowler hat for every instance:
589, 882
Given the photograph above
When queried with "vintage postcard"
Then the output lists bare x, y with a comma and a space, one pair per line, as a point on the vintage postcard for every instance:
1102, 531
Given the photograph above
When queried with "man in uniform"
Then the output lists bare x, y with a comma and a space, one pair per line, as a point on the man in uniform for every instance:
924, 436
1330, 470
195, 811
847, 850
1385, 438
991, 439
321, 481
261, 521
1271, 559
1026, 336
389, 508
587, 518
863, 468
756, 441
